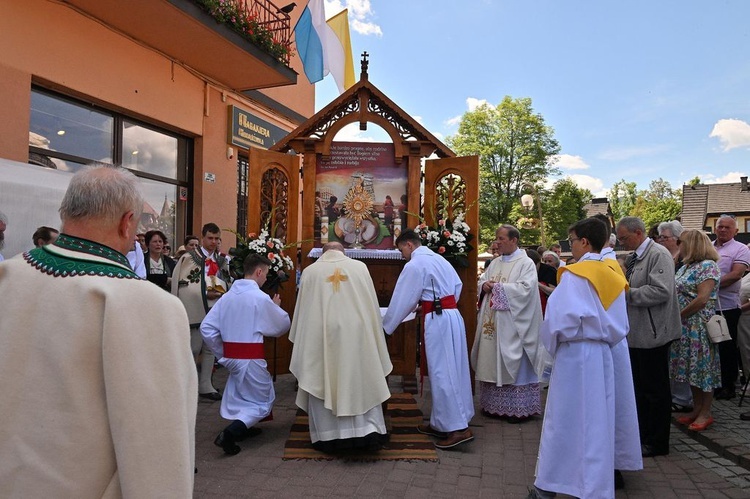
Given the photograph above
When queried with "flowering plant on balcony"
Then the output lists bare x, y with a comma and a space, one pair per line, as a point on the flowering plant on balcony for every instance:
234, 14
449, 238
264, 245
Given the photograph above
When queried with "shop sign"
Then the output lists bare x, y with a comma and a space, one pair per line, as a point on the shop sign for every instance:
247, 130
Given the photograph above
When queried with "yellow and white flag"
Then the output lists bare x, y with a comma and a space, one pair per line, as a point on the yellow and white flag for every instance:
339, 60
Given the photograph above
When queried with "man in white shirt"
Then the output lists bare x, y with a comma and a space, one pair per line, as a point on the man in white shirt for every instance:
200, 277
428, 279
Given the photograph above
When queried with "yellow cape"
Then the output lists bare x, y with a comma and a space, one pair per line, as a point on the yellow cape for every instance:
608, 279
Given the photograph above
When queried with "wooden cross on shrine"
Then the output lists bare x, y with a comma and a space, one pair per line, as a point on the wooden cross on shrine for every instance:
365, 63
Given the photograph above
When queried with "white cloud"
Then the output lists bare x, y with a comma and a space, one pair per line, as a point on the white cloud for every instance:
473, 103
729, 178
352, 133
595, 185
360, 15
439, 136
569, 162
366, 28
732, 133
453, 121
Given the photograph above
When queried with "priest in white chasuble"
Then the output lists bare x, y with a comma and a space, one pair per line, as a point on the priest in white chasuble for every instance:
234, 329
586, 318
507, 356
340, 357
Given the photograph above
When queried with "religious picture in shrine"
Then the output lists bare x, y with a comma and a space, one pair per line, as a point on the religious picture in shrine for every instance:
360, 196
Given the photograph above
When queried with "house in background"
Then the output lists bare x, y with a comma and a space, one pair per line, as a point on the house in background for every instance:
600, 206
702, 204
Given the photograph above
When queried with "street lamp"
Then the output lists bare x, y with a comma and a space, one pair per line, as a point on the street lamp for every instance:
527, 201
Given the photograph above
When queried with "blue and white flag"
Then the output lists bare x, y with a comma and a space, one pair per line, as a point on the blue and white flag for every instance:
318, 46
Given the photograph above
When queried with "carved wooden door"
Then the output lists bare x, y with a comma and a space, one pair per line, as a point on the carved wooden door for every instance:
451, 186
273, 203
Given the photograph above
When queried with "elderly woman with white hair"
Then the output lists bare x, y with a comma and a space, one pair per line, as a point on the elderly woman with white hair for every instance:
669, 237
552, 259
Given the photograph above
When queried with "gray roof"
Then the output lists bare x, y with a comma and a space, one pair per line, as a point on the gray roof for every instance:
702, 200
597, 206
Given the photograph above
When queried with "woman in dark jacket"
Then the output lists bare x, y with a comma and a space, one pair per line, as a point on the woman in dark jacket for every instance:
158, 267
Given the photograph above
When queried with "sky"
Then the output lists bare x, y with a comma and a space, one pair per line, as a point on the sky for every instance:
636, 90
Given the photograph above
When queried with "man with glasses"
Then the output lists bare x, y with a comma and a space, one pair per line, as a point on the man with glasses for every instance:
734, 262
654, 316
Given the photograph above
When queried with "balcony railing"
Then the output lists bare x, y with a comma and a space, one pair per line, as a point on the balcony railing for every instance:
258, 21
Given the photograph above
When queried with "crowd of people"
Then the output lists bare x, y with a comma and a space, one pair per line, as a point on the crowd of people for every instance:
622, 342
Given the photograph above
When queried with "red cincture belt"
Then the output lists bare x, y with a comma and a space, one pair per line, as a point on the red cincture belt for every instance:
243, 350
447, 302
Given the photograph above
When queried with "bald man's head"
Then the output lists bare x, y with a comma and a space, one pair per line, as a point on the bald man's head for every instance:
333, 245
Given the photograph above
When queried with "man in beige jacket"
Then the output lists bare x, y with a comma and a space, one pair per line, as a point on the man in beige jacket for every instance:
92, 406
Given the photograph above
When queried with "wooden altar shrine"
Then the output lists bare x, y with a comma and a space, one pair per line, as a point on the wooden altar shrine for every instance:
450, 186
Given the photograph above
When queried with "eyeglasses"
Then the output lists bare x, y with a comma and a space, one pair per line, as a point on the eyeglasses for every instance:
571, 240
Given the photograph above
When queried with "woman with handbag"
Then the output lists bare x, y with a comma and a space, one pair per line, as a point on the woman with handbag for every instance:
694, 358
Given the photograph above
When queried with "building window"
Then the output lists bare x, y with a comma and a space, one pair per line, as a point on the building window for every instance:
242, 169
66, 134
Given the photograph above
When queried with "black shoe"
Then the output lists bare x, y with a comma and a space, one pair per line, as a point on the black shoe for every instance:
651, 451
681, 408
226, 442
215, 396
619, 480
724, 394
745, 416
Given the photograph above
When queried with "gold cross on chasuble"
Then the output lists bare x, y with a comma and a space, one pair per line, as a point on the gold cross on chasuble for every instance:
336, 279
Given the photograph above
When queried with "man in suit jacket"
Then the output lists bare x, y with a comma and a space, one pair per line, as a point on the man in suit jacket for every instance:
654, 316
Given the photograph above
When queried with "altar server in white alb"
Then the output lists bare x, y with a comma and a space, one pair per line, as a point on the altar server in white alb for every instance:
507, 356
586, 316
234, 329
92, 406
428, 279
339, 356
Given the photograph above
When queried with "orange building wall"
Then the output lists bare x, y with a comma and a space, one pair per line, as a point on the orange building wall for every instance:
56, 44
59, 48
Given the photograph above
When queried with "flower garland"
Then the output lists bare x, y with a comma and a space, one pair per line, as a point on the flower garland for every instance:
450, 239
233, 14
269, 247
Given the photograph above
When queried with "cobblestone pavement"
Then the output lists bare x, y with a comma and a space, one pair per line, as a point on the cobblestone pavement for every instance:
499, 463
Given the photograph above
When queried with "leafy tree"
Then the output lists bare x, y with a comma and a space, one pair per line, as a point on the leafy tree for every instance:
563, 206
658, 203
622, 198
514, 145
694, 181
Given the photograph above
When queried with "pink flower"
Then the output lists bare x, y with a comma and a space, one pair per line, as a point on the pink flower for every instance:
252, 235
441, 249
269, 244
441, 222
446, 234
270, 256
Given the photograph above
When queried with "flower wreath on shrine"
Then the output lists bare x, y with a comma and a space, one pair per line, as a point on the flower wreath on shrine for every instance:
269, 247
450, 239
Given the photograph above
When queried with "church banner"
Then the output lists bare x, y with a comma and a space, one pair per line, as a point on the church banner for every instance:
360, 172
